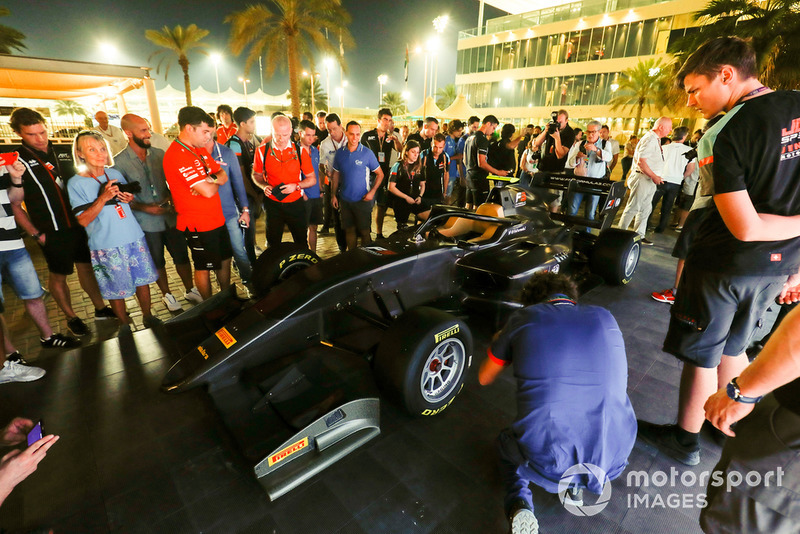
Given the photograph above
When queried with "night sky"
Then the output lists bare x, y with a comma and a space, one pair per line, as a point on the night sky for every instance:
74, 30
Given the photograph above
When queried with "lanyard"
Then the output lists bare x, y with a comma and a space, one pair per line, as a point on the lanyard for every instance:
198, 156
751, 93
59, 192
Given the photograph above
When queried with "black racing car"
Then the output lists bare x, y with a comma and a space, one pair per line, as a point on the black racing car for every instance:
398, 310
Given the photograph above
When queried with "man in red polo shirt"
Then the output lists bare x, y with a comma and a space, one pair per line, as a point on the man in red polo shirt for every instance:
194, 178
283, 171
228, 128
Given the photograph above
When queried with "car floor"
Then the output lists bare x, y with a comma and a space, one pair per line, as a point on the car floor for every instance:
133, 459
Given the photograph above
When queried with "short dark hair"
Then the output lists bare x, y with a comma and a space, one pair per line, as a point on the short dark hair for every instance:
419, 123
322, 113
680, 133
194, 116
474, 119
709, 59
25, 117
577, 131
545, 285
305, 123
224, 108
439, 137
606, 127
307, 115
242, 114
489, 118
384, 111
507, 131
352, 123
455, 125
429, 120
333, 117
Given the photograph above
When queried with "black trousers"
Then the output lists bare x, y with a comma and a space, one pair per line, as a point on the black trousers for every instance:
291, 214
669, 192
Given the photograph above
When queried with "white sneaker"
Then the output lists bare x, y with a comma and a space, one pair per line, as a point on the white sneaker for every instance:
524, 522
193, 295
16, 372
171, 302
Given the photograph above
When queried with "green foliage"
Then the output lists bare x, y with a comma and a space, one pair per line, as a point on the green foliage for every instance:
71, 108
178, 41
446, 95
291, 33
320, 96
649, 83
10, 39
394, 101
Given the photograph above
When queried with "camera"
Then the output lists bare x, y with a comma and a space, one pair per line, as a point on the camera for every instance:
130, 187
553, 125
690, 155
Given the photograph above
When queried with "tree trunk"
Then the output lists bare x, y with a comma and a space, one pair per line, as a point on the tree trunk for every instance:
294, 63
638, 120
183, 61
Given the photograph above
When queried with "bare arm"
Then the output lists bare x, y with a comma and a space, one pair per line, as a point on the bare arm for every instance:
378, 179
613, 163
483, 164
746, 224
110, 191
645, 168
489, 372
335, 189
689, 168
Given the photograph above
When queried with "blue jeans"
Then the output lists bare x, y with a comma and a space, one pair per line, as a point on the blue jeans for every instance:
513, 470
239, 252
591, 205
21, 272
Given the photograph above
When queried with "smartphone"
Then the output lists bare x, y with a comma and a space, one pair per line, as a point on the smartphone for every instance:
36, 433
242, 224
8, 158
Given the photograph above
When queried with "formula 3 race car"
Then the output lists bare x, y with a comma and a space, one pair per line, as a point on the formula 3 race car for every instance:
296, 374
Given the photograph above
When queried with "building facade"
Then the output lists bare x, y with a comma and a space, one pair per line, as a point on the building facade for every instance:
522, 67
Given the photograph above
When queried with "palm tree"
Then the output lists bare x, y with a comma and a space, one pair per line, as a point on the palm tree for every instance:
770, 27
647, 84
286, 37
320, 96
395, 102
445, 95
71, 108
179, 41
10, 39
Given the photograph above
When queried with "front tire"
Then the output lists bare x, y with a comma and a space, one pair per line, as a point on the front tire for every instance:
615, 255
278, 263
423, 359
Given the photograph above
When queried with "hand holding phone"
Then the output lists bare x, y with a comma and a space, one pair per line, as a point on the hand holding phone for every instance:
8, 158
36, 433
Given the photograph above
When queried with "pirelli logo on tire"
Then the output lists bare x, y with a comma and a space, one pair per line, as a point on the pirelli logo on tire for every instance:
288, 451
298, 257
444, 334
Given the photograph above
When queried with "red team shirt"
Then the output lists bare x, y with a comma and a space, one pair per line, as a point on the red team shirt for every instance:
283, 167
183, 169
226, 132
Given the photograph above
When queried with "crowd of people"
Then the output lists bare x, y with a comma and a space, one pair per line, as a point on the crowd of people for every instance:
737, 214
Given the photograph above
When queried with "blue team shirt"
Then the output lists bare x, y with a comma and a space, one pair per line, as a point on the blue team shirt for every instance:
107, 230
313, 191
232, 192
354, 168
572, 376
451, 149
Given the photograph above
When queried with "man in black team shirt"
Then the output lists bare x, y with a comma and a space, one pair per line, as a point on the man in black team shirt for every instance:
381, 141
425, 135
746, 251
48, 217
475, 151
435, 167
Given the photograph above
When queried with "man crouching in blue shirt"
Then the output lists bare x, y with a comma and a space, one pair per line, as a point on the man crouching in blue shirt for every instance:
572, 407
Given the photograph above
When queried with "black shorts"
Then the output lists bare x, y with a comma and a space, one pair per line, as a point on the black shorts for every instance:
210, 248
690, 227
382, 196
174, 240
64, 248
356, 214
314, 211
477, 190
685, 201
716, 314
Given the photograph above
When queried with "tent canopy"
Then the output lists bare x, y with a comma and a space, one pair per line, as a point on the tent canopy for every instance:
427, 109
459, 109
29, 77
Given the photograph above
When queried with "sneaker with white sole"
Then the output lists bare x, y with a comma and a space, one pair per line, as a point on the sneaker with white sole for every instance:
523, 521
17, 372
666, 296
60, 341
193, 295
171, 302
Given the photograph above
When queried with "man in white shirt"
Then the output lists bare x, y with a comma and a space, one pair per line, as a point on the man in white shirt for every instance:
594, 155
117, 140
676, 168
648, 166
327, 149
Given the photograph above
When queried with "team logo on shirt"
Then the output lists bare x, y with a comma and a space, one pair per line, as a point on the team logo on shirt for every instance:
359, 162
774, 257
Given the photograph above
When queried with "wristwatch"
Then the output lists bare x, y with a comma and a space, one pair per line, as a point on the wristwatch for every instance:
735, 394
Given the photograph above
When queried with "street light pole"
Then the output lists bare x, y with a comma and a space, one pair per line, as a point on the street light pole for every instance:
381, 82
439, 24
215, 58
244, 84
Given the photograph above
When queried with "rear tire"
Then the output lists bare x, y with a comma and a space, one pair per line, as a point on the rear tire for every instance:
615, 255
278, 263
423, 359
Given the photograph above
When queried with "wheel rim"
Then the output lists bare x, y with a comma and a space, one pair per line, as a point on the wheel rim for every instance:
442, 370
293, 269
632, 260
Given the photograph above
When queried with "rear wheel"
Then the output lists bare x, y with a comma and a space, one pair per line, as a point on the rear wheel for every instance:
423, 360
615, 255
279, 263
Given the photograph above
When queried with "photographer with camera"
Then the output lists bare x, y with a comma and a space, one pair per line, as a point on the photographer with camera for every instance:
555, 141
100, 199
588, 158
